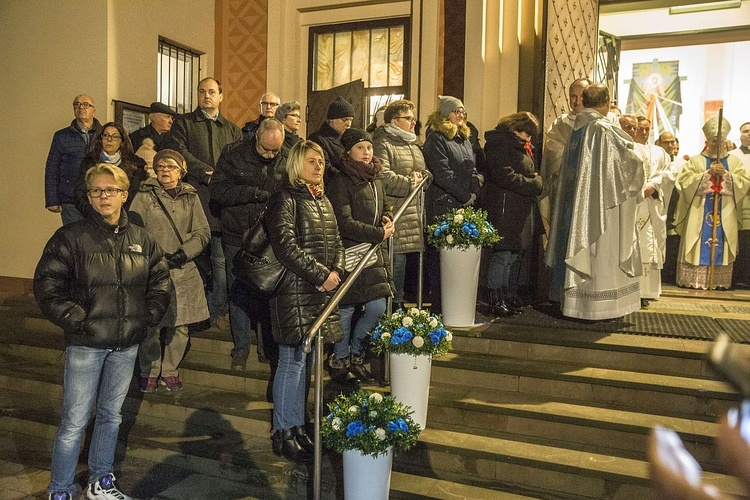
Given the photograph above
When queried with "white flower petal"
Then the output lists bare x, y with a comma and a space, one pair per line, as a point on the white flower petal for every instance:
417, 341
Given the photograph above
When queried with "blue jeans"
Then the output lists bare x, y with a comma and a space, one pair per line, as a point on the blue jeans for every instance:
90, 374
399, 275
498, 270
289, 385
70, 214
217, 297
366, 323
239, 297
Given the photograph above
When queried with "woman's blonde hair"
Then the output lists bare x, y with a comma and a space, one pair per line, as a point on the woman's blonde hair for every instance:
121, 178
296, 159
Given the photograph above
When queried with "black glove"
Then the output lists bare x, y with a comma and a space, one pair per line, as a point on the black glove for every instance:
177, 259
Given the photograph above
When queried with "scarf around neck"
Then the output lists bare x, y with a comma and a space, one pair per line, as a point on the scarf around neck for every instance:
113, 159
362, 171
316, 190
407, 137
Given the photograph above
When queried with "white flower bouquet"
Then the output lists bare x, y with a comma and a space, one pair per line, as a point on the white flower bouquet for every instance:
413, 331
370, 423
462, 228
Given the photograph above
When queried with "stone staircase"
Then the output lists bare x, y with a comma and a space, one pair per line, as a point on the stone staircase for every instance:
515, 412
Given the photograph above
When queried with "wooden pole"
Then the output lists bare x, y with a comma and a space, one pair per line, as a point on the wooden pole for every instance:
715, 180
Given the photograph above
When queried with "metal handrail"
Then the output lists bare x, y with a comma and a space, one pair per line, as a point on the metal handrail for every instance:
315, 333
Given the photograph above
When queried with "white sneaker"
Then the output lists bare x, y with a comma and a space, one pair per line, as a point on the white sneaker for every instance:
105, 489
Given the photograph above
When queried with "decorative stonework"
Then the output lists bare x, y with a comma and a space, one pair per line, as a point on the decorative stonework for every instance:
572, 34
240, 64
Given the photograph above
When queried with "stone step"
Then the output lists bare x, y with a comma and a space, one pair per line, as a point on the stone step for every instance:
645, 392
471, 409
216, 448
485, 412
648, 354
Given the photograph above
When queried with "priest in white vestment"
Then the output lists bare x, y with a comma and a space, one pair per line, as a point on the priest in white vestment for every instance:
554, 144
708, 244
651, 211
593, 248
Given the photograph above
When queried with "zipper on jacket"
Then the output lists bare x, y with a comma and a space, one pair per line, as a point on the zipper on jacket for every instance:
325, 233
503, 212
118, 267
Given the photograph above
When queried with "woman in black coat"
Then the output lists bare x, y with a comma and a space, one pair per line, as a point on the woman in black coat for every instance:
112, 146
509, 195
358, 197
302, 229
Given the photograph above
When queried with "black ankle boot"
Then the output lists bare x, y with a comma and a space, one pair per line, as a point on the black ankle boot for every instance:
284, 443
505, 302
303, 439
357, 368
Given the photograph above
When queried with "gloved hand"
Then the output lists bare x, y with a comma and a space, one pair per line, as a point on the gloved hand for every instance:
471, 201
176, 260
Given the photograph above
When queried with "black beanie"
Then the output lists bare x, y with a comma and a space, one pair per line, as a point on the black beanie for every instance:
340, 109
352, 136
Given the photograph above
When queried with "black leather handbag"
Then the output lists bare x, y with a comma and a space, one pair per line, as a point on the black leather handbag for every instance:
255, 263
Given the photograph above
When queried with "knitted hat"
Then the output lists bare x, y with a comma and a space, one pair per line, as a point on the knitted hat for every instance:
285, 109
711, 128
449, 104
340, 108
352, 136
158, 107
173, 155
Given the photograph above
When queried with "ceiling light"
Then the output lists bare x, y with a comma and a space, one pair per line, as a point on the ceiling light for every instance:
705, 7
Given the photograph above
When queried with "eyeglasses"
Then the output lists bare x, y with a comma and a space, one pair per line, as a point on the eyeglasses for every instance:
97, 193
84, 105
461, 112
165, 167
270, 152
293, 115
270, 104
411, 119
111, 137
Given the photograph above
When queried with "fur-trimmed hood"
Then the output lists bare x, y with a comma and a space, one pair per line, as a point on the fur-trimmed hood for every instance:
438, 123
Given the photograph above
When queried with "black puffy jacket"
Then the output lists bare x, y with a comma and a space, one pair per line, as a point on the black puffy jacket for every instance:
303, 232
103, 285
242, 183
359, 206
330, 140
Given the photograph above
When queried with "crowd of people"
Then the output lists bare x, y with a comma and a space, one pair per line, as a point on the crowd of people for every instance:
153, 221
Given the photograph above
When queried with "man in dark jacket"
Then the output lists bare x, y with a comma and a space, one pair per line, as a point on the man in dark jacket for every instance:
328, 136
160, 117
246, 175
199, 137
104, 282
269, 103
68, 148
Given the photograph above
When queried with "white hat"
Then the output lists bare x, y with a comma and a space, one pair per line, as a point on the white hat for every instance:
711, 128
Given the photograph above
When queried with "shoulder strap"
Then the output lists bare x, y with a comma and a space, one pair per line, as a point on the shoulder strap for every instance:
169, 217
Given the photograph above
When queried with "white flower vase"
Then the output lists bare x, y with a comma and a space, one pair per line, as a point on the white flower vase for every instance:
459, 279
366, 477
410, 383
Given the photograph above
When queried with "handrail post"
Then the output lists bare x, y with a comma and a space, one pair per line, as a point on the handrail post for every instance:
315, 333
318, 466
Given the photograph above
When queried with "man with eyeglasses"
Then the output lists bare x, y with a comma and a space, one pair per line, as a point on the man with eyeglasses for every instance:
68, 148
269, 103
199, 137
247, 173
339, 118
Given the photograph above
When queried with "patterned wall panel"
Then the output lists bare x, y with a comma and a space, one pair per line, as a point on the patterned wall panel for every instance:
241, 40
572, 33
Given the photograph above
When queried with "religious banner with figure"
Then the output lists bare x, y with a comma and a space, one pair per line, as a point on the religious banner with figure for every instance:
655, 93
